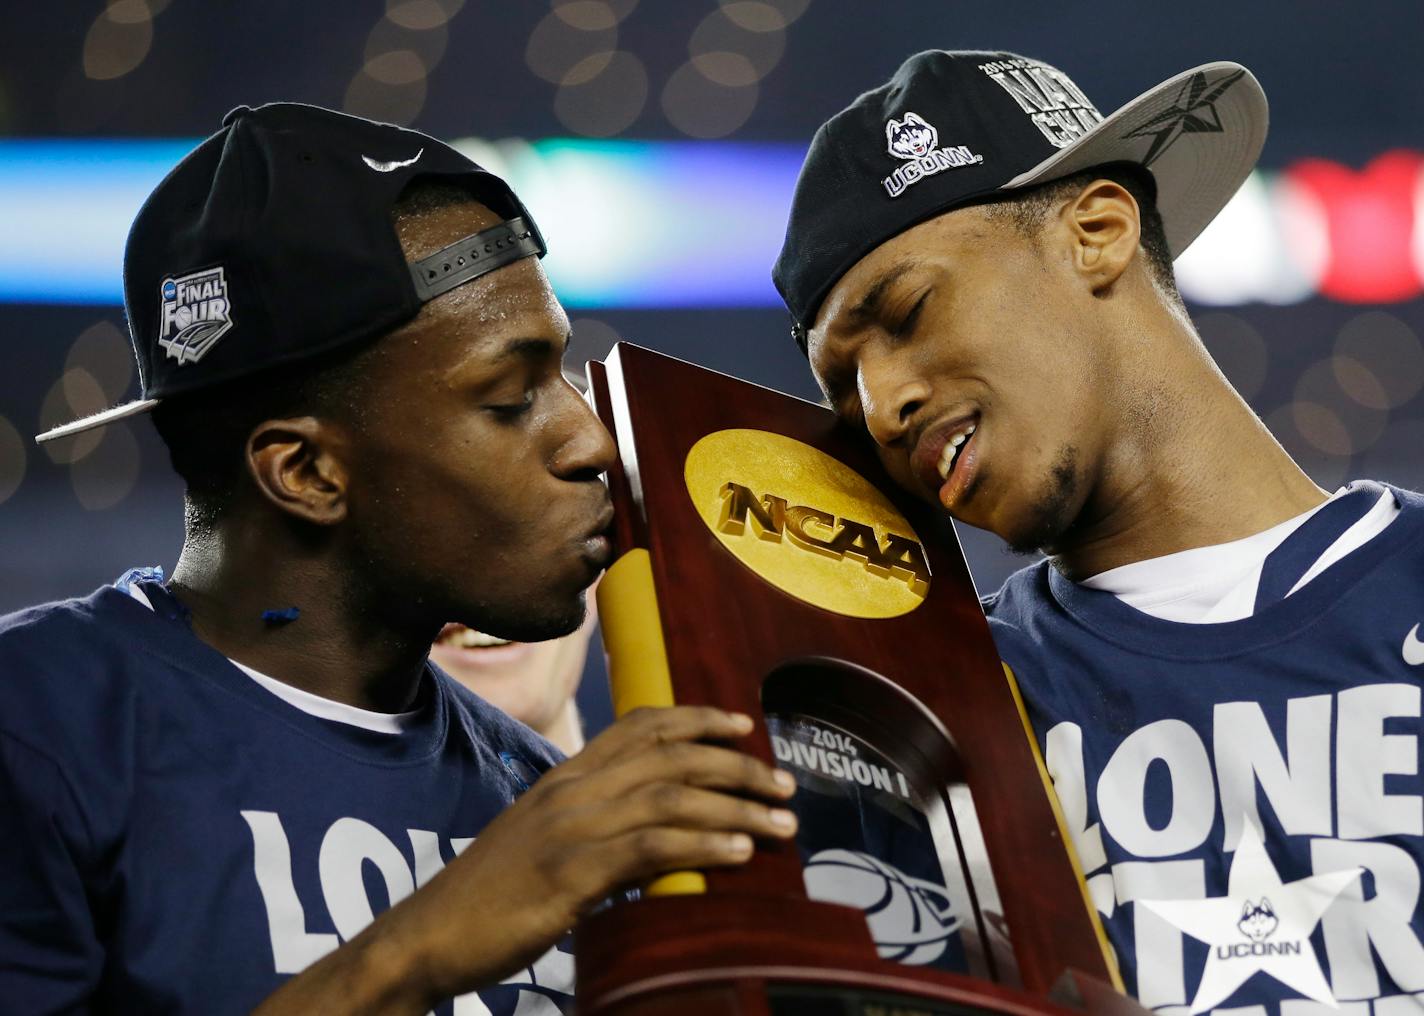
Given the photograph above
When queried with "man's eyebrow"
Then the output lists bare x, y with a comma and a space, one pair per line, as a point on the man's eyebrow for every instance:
534, 349
869, 304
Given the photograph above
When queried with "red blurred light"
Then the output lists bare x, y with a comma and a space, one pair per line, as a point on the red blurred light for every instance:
1370, 218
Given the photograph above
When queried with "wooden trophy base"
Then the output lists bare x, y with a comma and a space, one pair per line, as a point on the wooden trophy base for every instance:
709, 955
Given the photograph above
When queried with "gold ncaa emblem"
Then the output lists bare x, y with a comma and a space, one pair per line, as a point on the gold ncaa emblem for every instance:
807, 523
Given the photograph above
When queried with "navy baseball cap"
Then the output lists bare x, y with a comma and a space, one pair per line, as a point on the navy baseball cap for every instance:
954, 128
272, 242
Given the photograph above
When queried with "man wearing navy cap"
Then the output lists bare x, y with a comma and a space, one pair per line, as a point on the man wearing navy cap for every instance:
1221, 661
250, 771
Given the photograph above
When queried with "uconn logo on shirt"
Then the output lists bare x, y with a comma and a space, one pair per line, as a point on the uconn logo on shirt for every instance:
1329, 912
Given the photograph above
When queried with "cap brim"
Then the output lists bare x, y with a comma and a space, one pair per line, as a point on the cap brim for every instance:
1199, 133
97, 420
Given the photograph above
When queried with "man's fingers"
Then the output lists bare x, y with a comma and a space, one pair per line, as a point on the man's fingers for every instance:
698, 765
685, 807
644, 853
647, 728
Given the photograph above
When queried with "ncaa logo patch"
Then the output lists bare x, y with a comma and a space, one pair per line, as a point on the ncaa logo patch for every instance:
916, 140
195, 312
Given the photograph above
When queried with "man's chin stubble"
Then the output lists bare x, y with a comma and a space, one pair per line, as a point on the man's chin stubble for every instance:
536, 622
1052, 515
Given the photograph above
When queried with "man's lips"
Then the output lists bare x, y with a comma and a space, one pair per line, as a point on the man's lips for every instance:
930, 449
598, 544
960, 476
605, 520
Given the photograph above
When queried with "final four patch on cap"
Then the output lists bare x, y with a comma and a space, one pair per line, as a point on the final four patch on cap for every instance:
955, 128
195, 312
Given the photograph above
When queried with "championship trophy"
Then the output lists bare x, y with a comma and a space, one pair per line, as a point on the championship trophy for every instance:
765, 563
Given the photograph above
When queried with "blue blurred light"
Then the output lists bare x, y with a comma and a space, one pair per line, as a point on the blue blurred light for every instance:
65, 208
629, 224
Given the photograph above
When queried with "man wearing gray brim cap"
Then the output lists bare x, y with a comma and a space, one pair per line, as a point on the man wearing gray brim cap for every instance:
1221, 660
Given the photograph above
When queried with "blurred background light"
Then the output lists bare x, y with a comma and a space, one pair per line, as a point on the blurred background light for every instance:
1243, 256
587, 15
592, 340
426, 37
749, 17
1238, 348
629, 224
66, 207
404, 46
102, 352
371, 97
702, 107
1370, 216
418, 15
1389, 348
118, 40
666, 223
591, 15
396, 67
557, 45
750, 29
75, 394
14, 455
1302, 429
1341, 424
107, 476
602, 94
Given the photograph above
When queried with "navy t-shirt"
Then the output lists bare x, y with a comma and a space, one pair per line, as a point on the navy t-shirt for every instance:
1177, 750
176, 839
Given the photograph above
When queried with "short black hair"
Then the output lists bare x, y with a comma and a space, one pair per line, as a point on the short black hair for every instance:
1027, 209
206, 432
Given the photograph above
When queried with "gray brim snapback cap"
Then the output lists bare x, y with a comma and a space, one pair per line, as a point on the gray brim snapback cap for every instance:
955, 128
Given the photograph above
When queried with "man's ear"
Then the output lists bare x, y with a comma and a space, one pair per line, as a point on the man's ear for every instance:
298, 466
1104, 224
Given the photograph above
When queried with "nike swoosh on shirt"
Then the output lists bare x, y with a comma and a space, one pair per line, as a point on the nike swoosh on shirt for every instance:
393, 165
1413, 650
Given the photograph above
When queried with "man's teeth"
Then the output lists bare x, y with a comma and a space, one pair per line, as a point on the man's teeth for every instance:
467, 639
951, 451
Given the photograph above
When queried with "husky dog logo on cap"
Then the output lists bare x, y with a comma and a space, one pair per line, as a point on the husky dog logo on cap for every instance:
910, 138
195, 314
916, 142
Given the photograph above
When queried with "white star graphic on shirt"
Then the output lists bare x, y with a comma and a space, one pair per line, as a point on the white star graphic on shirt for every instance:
1282, 949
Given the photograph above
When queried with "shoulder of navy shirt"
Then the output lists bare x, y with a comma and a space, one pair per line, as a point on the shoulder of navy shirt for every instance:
130, 754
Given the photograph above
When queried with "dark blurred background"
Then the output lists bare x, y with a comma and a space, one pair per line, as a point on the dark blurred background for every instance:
657, 145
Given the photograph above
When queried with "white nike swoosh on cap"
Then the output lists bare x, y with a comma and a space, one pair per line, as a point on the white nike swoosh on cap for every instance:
1413, 650
393, 165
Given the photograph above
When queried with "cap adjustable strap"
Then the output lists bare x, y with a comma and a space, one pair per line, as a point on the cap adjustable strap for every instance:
473, 256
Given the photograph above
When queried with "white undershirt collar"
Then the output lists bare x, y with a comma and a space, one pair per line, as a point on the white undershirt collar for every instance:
1211, 585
